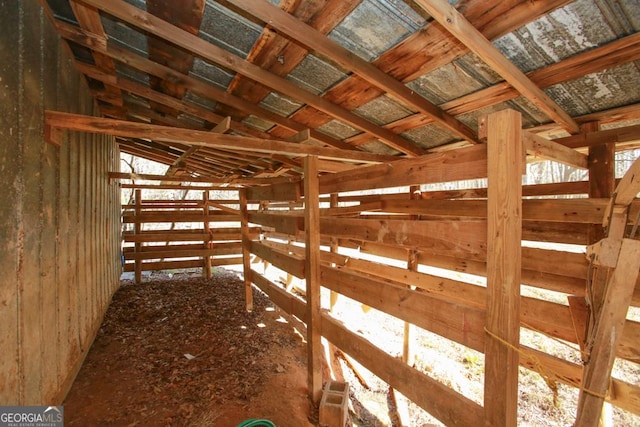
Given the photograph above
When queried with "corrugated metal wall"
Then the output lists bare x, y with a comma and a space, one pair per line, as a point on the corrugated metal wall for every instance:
59, 215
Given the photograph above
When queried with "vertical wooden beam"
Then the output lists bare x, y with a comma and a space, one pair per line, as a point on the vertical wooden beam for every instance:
504, 227
246, 249
206, 267
136, 230
333, 247
312, 276
602, 180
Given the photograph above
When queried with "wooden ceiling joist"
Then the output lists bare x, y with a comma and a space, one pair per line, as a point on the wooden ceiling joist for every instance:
187, 136
147, 22
464, 31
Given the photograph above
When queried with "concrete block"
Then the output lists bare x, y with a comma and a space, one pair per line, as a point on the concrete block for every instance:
334, 405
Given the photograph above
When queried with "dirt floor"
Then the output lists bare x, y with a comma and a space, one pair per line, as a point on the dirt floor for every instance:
179, 350
182, 350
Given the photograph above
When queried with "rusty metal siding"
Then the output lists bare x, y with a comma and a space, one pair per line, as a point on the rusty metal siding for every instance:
59, 216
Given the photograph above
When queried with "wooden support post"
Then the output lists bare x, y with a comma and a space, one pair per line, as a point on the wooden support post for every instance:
607, 334
312, 276
246, 248
206, 267
333, 296
504, 228
290, 277
136, 230
602, 182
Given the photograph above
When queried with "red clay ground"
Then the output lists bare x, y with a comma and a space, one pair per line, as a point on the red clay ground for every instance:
183, 351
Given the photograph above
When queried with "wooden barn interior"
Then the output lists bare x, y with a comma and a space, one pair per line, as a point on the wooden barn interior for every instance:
380, 150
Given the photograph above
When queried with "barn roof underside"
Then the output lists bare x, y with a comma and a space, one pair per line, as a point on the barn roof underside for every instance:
387, 77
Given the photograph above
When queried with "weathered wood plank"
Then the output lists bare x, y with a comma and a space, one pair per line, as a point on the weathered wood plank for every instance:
464, 238
441, 401
312, 277
504, 266
608, 334
246, 249
465, 163
549, 150
201, 138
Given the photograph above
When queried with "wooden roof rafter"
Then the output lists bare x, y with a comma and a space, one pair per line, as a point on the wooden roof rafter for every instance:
303, 34
147, 22
469, 35
199, 87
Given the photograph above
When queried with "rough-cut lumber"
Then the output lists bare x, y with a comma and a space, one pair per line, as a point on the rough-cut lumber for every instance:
465, 163
534, 311
454, 321
549, 150
282, 192
504, 265
312, 277
246, 251
441, 401
283, 299
464, 238
587, 139
201, 138
177, 217
199, 87
137, 228
608, 334
586, 211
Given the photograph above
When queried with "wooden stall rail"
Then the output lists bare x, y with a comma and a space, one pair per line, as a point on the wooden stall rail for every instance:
178, 234
366, 236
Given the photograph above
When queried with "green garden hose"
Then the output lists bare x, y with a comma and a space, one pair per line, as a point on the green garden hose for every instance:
256, 423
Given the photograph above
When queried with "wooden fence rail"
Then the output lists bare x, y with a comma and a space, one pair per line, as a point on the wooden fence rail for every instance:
363, 245
179, 234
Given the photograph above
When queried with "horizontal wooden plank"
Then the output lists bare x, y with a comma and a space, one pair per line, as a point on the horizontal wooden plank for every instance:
177, 218
283, 299
165, 265
588, 139
556, 232
552, 189
464, 163
202, 138
184, 253
456, 322
463, 238
439, 400
281, 222
293, 264
581, 211
175, 236
281, 192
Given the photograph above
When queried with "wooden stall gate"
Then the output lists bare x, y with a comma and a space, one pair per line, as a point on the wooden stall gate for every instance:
515, 236
178, 234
